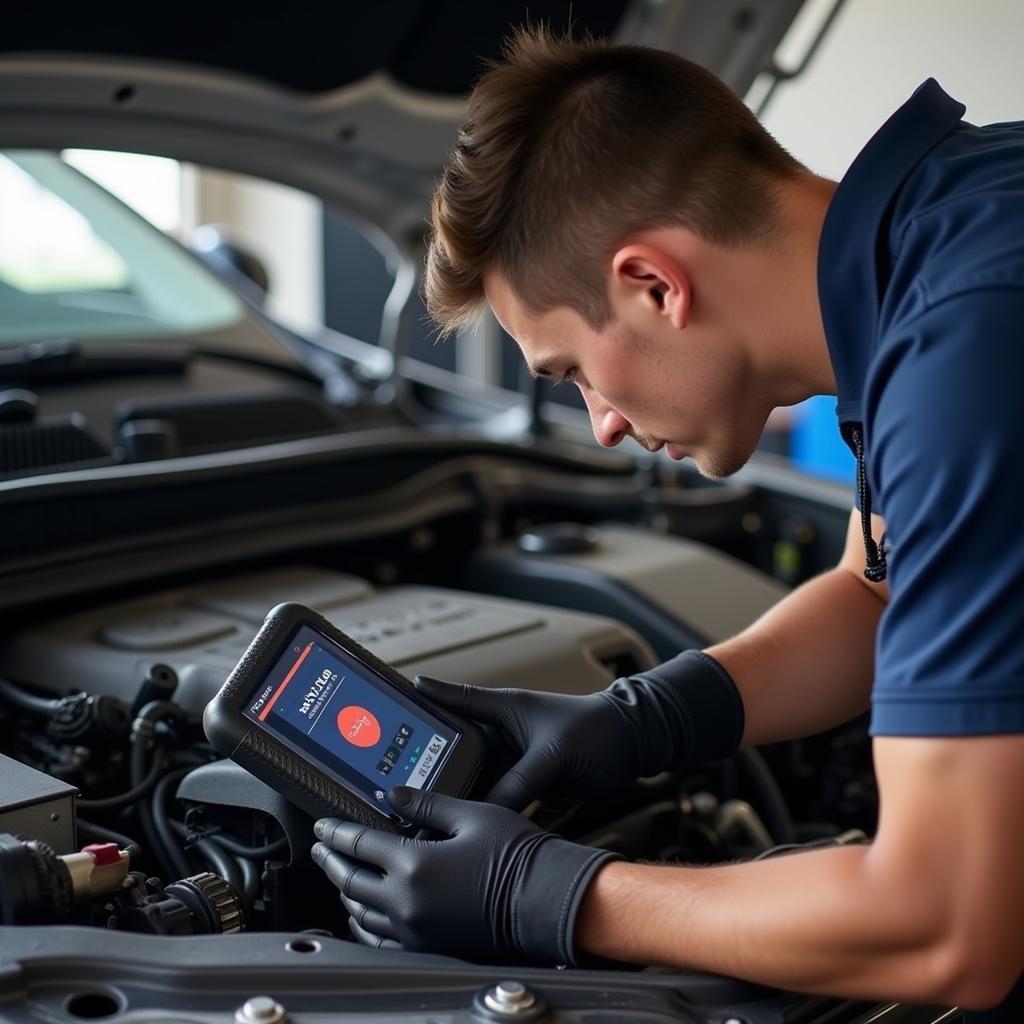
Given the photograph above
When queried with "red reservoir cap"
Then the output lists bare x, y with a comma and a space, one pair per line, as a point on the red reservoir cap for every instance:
103, 853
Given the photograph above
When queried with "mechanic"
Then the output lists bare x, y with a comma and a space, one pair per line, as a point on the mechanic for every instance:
637, 231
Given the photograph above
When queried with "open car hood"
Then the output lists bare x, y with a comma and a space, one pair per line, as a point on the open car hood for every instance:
358, 105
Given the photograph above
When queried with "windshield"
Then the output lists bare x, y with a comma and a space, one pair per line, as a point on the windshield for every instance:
75, 262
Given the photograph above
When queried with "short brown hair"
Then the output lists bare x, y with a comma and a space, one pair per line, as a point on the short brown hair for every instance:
571, 145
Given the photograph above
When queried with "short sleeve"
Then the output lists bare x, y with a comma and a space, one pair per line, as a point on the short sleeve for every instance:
945, 460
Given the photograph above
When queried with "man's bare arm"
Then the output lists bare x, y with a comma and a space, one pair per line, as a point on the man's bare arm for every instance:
933, 911
807, 664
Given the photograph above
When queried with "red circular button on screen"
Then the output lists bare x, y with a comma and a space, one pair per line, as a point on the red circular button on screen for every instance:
358, 726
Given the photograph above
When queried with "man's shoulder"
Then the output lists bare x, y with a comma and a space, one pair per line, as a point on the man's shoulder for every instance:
958, 222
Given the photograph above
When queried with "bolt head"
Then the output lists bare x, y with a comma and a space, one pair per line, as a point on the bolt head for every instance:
509, 997
260, 1010
510, 990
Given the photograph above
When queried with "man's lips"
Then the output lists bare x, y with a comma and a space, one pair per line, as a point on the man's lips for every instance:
673, 450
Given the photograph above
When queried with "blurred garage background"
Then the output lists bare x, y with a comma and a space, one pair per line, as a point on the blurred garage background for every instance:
324, 270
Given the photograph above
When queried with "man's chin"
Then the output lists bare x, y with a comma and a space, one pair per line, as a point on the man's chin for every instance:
712, 465
718, 467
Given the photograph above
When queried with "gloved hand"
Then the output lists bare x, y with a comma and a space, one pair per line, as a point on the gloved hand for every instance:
684, 711
492, 887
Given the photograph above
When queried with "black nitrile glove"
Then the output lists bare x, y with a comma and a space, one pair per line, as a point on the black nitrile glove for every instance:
685, 711
492, 887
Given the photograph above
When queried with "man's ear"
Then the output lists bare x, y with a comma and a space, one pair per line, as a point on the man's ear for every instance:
653, 277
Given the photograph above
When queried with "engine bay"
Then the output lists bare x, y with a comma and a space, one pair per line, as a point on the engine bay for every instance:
123, 818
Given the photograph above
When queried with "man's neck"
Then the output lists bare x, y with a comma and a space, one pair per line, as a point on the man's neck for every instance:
783, 324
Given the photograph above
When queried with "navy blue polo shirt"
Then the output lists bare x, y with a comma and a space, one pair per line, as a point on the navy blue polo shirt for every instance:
921, 281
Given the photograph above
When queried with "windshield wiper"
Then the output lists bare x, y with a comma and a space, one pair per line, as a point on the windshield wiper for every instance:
62, 360
59, 359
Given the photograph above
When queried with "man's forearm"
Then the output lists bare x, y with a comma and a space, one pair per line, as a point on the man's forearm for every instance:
807, 664
814, 922
932, 911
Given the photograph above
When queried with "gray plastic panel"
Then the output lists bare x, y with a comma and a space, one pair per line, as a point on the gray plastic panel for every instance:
447, 633
710, 592
205, 979
164, 629
411, 623
250, 599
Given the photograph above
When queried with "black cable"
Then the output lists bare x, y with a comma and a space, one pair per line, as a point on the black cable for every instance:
142, 782
133, 794
183, 830
232, 845
94, 833
195, 756
150, 714
264, 852
222, 862
250, 883
25, 701
163, 865
168, 845
140, 746
144, 735
771, 802
851, 837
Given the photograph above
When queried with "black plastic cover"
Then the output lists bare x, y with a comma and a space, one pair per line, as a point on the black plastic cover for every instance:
225, 784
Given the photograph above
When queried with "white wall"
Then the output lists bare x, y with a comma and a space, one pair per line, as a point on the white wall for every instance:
879, 51
282, 227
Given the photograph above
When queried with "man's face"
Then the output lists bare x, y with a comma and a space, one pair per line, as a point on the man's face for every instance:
687, 390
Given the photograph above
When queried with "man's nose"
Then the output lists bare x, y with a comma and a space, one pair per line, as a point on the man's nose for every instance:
610, 426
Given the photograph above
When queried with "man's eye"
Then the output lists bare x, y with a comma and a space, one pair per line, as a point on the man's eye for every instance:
569, 377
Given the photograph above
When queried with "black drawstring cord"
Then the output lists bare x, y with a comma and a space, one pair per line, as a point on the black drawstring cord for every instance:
876, 569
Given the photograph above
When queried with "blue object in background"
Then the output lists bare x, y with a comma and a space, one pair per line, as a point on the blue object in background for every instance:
815, 444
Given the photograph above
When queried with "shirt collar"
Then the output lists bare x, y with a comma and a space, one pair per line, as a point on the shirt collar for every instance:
850, 277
